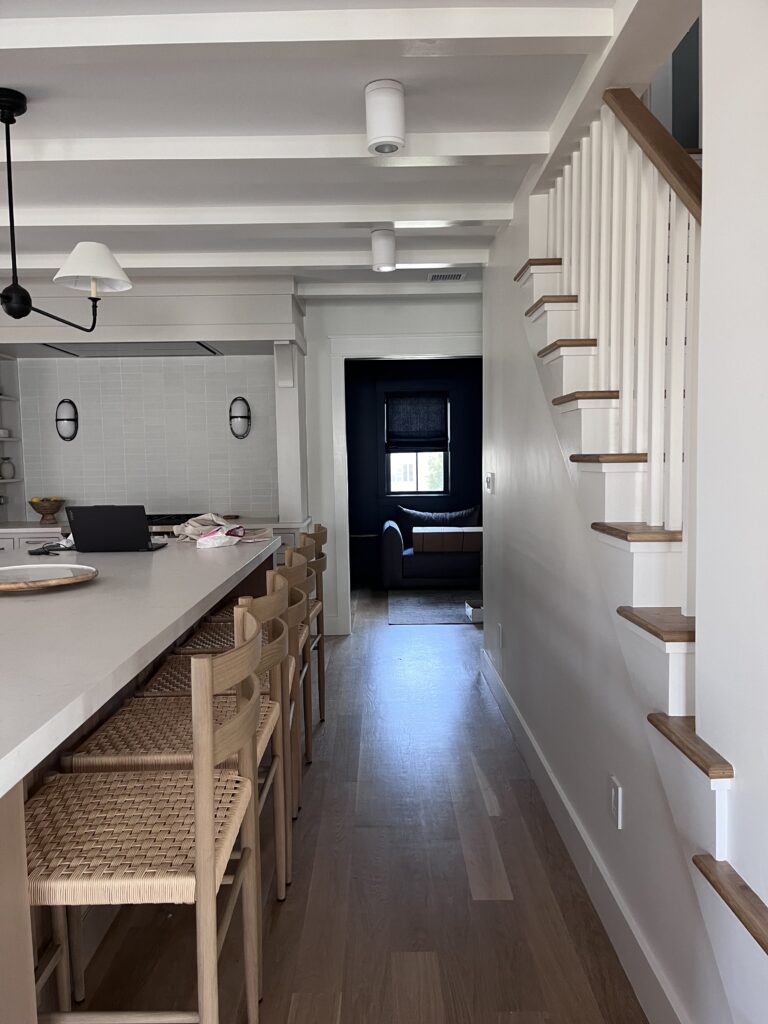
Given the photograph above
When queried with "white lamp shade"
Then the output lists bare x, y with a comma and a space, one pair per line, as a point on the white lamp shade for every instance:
385, 116
93, 262
383, 250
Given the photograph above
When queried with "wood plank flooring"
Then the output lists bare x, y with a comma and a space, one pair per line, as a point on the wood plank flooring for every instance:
430, 885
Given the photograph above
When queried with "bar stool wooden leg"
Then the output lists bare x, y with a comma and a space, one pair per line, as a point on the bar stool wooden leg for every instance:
296, 756
321, 663
308, 701
63, 976
285, 729
77, 962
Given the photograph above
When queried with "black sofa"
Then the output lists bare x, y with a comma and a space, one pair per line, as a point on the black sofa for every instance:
402, 568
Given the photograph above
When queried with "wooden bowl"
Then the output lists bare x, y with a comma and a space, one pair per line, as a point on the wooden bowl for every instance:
47, 509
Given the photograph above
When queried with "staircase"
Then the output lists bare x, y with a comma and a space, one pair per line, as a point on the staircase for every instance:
612, 321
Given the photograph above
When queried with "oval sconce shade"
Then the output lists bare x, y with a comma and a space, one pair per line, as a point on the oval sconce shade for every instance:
240, 417
67, 419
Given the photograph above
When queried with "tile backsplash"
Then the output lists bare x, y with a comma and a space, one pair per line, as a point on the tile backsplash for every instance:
152, 431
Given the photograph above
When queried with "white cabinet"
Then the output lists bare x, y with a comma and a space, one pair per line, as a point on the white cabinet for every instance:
30, 539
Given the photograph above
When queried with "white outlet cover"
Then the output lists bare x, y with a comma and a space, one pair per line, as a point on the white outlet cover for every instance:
500, 629
617, 801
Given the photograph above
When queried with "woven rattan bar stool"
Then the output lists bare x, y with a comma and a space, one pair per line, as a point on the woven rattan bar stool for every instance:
162, 837
318, 563
295, 617
296, 571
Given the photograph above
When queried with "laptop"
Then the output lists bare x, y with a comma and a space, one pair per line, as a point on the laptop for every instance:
111, 528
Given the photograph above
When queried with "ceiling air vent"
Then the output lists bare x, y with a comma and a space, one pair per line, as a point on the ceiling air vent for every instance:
446, 275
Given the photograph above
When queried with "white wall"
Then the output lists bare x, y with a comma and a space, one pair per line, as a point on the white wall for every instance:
152, 431
396, 325
562, 667
732, 567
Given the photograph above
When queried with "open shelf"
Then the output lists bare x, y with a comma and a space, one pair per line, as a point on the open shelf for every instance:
8, 398
16, 480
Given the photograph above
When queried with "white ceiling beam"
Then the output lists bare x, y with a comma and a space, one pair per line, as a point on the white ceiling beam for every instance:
429, 28
358, 289
340, 215
218, 261
351, 146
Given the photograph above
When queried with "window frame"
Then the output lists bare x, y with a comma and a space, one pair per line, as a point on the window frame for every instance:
392, 493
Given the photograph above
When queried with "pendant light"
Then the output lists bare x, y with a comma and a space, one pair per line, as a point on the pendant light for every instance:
90, 267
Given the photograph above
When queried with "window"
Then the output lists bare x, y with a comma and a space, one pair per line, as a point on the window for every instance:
416, 443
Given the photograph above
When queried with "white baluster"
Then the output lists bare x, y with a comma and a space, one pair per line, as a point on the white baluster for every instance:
585, 298
645, 250
654, 511
567, 228
596, 136
629, 289
606, 204
617, 251
559, 218
675, 382
551, 223
691, 421
575, 220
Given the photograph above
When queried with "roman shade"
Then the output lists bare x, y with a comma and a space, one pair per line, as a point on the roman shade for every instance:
417, 422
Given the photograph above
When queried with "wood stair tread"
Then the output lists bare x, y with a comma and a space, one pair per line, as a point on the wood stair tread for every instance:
583, 396
635, 533
608, 457
548, 261
566, 343
667, 624
551, 299
680, 730
734, 891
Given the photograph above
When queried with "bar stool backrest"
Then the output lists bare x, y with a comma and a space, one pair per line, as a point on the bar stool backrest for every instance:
213, 675
319, 535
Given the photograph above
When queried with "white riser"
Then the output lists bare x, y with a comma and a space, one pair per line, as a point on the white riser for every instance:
551, 323
587, 426
540, 281
640, 575
567, 370
742, 961
699, 806
663, 675
611, 493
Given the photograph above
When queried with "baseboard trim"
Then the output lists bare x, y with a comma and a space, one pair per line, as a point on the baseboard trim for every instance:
652, 986
336, 625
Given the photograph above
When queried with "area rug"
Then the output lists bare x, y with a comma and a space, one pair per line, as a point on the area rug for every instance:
429, 607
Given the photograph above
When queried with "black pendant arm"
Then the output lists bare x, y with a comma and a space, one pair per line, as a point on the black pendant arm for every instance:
69, 323
11, 218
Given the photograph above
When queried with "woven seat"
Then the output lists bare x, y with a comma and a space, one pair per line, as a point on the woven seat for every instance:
225, 614
303, 634
315, 607
125, 838
174, 677
210, 638
155, 735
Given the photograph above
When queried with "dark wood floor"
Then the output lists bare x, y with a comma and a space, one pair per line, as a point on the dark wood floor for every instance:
430, 885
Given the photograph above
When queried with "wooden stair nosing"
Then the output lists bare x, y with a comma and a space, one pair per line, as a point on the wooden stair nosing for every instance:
566, 343
737, 895
548, 261
583, 396
609, 457
680, 730
666, 624
638, 533
554, 299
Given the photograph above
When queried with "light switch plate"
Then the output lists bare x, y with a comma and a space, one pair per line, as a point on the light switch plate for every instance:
617, 802
490, 483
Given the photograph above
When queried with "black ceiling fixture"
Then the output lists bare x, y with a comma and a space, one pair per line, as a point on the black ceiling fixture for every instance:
89, 267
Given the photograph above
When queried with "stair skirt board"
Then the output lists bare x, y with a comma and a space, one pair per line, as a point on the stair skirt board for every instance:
646, 974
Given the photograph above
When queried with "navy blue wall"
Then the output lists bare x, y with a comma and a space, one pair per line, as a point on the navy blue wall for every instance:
367, 381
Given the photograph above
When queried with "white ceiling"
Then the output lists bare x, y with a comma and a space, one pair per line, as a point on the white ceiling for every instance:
217, 137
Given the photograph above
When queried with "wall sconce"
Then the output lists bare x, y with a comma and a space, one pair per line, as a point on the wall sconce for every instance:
67, 419
240, 418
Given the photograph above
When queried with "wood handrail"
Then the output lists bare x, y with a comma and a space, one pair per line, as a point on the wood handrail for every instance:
669, 158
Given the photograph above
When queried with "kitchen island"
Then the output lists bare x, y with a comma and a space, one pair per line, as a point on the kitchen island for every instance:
64, 654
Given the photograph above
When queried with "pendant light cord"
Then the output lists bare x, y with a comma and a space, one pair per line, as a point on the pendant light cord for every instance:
11, 218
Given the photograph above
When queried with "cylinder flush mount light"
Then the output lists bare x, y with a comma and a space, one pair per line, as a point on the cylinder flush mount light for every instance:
383, 250
240, 417
385, 116
67, 419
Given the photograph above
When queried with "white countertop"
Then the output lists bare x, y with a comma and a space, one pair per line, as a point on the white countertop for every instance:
65, 652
